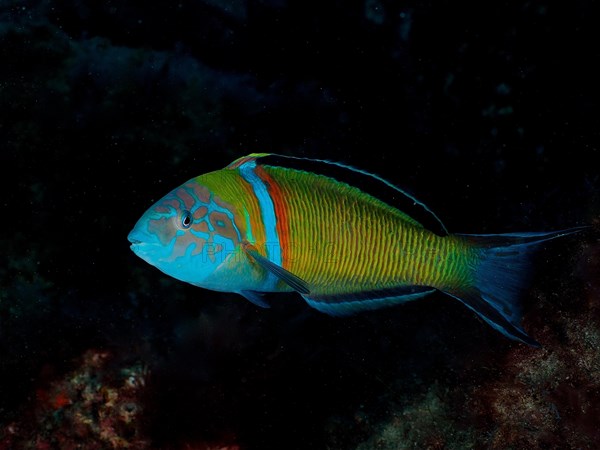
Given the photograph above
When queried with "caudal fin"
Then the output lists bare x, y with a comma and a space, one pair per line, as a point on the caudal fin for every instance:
500, 276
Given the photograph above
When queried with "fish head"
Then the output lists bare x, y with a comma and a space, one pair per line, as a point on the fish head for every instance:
187, 234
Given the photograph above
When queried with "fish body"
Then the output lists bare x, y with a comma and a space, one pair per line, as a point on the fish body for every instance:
271, 223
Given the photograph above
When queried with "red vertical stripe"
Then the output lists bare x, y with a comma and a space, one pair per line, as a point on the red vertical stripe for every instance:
281, 225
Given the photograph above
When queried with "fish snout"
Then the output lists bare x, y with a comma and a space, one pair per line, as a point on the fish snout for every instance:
136, 237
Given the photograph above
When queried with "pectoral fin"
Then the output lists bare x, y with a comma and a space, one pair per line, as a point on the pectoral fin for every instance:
295, 282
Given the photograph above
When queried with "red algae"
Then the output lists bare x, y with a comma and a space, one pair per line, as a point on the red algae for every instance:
97, 406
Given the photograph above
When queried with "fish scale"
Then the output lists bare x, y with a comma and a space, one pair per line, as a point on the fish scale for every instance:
359, 250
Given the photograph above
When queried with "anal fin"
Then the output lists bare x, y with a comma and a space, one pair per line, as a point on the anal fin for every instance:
352, 303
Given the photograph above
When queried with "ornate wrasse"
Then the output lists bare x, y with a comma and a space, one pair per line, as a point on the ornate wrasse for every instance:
272, 223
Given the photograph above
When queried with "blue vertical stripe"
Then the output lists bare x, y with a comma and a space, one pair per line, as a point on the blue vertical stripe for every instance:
267, 208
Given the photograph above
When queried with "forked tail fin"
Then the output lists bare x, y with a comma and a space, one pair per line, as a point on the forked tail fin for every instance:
500, 276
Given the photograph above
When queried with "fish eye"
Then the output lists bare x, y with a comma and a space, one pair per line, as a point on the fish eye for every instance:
186, 219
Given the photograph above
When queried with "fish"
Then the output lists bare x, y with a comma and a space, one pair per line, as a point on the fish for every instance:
344, 239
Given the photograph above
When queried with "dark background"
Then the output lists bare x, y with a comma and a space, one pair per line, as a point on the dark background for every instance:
488, 113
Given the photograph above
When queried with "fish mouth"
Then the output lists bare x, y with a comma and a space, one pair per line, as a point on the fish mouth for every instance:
134, 241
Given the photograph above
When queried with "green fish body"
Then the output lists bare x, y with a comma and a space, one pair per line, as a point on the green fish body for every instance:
271, 223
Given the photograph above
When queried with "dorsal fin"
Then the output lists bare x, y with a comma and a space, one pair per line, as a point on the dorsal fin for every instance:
365, 181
